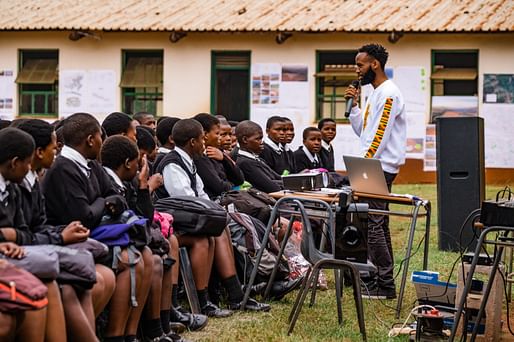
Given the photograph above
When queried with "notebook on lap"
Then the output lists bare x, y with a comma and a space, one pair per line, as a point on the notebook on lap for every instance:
366, 175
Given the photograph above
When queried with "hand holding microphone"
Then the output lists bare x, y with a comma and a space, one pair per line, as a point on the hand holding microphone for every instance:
351, 94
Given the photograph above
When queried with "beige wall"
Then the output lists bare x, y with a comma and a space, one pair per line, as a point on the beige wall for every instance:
187, 63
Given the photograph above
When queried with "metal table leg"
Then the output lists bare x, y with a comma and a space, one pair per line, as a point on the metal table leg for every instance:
408, 253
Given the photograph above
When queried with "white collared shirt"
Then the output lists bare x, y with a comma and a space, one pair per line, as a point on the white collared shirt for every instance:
30, 179
3, 183
74, 155
176, 180
248, 154
276, 147
312, 158
163, 150
114, 176
326, 145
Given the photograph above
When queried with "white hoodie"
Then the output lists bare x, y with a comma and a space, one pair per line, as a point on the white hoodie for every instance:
382, 128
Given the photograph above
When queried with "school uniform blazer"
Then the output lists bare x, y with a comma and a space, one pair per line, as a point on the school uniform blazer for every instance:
276, 161
327, 159
138, 200
72, 195
218, 176
11, 216
303, 162
33, 205
259, 174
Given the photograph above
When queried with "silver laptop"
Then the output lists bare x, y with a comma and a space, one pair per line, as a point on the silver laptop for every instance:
366, 175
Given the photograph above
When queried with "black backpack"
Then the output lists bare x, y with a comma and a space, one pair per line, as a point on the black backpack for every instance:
247, 233
253, 202
194, 215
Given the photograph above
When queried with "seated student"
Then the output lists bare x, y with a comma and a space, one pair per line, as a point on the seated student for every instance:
217, 170
166, 143
120, 159
42, 233
328, 133
145, 119
16, 153
225, 134
273, 153
307, 156
289, 136
120, 123
87, 190
255, 170
181, 178
146, 144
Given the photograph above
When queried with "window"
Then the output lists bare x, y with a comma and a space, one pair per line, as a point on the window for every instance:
37, 82
335, 72
230, 84
141, 82
454, 73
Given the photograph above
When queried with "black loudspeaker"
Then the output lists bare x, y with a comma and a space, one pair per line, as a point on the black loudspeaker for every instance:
460, 178
352, 233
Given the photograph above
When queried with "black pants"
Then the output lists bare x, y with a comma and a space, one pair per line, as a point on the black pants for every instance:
380, 249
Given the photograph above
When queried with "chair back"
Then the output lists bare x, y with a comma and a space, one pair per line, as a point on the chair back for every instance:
308, 246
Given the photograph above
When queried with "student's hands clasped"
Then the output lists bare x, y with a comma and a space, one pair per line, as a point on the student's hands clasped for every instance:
12, 250
74, 232
214, 153
145, 182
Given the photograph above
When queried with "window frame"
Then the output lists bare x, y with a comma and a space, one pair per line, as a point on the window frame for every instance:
337, 98
147, 91
215, 68
53, 91
452, 51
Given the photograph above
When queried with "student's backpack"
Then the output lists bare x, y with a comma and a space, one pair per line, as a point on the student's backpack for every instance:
247, 233
20, 290
194, 215
252, 202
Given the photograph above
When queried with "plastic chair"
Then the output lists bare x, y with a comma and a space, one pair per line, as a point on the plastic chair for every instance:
320, 260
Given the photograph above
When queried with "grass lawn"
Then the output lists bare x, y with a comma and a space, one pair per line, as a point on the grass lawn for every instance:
319, 323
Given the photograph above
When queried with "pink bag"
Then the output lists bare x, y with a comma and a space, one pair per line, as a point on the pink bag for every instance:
165, 220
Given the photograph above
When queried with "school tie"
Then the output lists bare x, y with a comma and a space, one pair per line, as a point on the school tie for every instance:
3, 196
315, 163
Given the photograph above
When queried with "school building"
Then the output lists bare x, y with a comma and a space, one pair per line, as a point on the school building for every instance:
250, 59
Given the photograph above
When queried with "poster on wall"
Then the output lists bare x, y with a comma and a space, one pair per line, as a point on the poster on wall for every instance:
7, 90
413, 83
498, 124
454, 106
346, 143
281, 90
72, 92
416, 130
92, 91
498, 88
430, 160
265, 84
101, 91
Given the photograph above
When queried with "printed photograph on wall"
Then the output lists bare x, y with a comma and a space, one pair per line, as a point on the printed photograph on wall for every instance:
498, 88
454, 106
294, 73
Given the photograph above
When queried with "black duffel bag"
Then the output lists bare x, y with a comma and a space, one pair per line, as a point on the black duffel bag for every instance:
194, 215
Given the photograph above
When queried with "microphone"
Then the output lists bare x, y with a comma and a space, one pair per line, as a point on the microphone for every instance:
349, 100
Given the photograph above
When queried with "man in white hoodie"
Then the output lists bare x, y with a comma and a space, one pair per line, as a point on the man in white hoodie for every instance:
381, 127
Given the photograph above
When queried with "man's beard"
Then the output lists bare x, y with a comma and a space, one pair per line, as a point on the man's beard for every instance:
368, 77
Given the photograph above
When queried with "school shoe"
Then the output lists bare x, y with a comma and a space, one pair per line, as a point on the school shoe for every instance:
193, 322
279, 289
378, 293
212, 310
177, 327
162, 338
251, 305
176, 337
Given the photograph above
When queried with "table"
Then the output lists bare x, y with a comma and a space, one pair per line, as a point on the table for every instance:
407, 200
